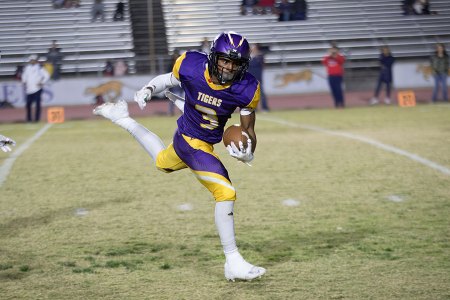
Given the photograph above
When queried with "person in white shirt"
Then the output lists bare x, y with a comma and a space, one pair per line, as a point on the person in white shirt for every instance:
34, 77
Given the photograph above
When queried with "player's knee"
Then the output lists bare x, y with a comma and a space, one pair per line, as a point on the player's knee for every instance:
225, 195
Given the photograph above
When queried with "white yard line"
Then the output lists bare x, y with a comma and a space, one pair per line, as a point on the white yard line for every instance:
363, 139
5, 168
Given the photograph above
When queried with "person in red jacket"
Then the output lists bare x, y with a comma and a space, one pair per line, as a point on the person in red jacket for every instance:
334, 62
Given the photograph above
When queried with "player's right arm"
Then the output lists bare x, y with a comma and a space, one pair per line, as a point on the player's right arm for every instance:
155, 86
159, 84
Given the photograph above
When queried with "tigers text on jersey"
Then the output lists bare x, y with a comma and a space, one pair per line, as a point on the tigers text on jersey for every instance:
208, 105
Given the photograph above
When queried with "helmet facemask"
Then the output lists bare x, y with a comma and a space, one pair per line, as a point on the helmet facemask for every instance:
224, 77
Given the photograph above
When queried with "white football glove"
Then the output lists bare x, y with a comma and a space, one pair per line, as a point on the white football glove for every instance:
242, 154
5, 142
143, 96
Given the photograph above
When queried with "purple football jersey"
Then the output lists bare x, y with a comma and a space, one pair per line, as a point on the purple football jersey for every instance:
208, 106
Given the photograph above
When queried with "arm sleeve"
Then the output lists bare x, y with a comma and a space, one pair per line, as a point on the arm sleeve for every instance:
162, 82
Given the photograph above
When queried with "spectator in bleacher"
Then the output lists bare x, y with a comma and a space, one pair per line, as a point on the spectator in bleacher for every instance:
109, 69
58, 3
98, 10
418, 7
18, 73
385, 75
248, 7
71, 3
118, 14
334, 63
256, 68
284, 10
120, 68
440, 69
265, 7
407, 7
422, 7
55, 57
34, 77
426, 7
300, 10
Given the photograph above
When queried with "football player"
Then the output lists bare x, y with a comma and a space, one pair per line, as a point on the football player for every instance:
5, 142
214, 87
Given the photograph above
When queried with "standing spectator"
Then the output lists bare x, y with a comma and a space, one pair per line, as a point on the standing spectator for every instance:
55, 57
256, 68
385, 76
334, 62
34, 77
439, 66
98, 10
118, 14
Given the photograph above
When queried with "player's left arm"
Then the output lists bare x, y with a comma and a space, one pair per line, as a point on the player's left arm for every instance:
248, 124
248, 116
243, 152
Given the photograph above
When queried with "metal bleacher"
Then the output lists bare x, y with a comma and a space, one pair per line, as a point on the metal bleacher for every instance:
358, 27
29, 27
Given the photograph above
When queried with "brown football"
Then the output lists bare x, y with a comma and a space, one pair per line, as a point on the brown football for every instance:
235, 133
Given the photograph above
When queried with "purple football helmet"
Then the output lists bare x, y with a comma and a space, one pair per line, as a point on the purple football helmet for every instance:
233, 46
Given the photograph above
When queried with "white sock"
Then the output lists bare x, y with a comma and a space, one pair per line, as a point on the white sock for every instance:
225, 226
150, 141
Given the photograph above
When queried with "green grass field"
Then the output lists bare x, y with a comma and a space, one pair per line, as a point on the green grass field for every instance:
85, 215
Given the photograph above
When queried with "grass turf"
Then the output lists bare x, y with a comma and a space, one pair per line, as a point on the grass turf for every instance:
85, 215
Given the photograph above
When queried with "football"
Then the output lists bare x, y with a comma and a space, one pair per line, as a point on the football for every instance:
235, 133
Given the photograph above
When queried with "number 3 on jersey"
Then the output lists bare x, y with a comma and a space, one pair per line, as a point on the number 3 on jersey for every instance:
209, 115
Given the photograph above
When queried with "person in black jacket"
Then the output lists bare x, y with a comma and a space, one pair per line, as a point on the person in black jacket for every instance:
385, 75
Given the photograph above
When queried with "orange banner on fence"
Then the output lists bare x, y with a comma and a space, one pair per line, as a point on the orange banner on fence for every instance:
55, 115
406, 99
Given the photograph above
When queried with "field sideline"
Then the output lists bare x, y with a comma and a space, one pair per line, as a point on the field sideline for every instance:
339, 204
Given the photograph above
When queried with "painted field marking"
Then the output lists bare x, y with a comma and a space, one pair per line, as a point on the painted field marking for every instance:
9, 162
389, 148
